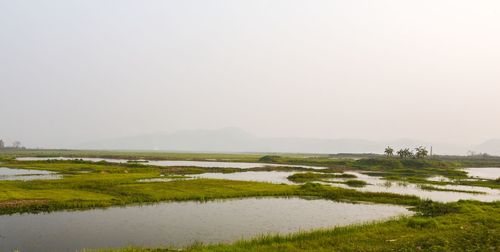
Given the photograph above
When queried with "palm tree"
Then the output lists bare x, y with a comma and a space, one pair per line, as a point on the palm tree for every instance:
389, 151
408, 153
401, 153
421, 152
405, 153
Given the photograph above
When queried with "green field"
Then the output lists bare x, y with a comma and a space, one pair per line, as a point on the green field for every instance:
88, 185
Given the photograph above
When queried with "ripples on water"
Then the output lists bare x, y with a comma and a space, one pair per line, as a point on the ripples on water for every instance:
26, 174
181, 223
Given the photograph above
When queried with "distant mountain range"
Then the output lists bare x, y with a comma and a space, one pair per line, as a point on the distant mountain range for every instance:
491, 146
237, 140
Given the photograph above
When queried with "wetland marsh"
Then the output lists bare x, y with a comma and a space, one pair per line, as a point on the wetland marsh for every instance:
164, 206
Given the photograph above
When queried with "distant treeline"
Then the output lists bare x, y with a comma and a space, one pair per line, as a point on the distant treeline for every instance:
15, 145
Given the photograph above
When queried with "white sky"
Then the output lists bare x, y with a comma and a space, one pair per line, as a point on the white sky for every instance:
73, 71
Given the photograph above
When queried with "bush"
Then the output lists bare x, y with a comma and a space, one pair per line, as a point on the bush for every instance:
429, 208
312, 187
416, 163
315, 176
420, 223
355, 183
269, 158
379, 162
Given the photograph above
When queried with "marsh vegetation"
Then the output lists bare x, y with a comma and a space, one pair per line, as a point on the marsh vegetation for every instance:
92, 183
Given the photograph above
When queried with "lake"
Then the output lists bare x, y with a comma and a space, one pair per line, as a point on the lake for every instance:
275, 177
375, 184
26, 174
205, 164
181, 223
484, 173
378, 184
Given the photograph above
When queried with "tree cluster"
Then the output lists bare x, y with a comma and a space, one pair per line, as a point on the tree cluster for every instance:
478, 154
15, 145
420, 152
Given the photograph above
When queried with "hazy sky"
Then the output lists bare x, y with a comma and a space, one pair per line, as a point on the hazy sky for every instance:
73, 71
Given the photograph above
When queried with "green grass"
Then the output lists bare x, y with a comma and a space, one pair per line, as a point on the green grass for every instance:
131, 155
351, 183
433, 188
106, 184
323, 177
104, 190
355, 183
316, 176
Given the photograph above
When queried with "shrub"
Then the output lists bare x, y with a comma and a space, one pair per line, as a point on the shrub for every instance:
355, 183
420, 223
379, 162
415, 163
312, 187
429, 208
269, 158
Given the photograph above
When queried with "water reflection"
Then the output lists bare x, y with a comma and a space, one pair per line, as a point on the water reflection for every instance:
439, 179
261, 176
180, 223
484, 173
377, 184
205, 164
26, 174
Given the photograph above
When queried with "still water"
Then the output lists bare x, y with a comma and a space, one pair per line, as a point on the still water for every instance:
181, 223
205, 164
375, 184
484, 173
274, 177
378, 184
26, 174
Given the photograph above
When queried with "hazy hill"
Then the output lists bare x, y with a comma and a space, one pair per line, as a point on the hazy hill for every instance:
237, 140
491, 146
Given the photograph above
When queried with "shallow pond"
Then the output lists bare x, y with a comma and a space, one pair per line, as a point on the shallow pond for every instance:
439, 179
275, 177
25, 174
205, 164
181, 223
484, 173
162, 179
377, 184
